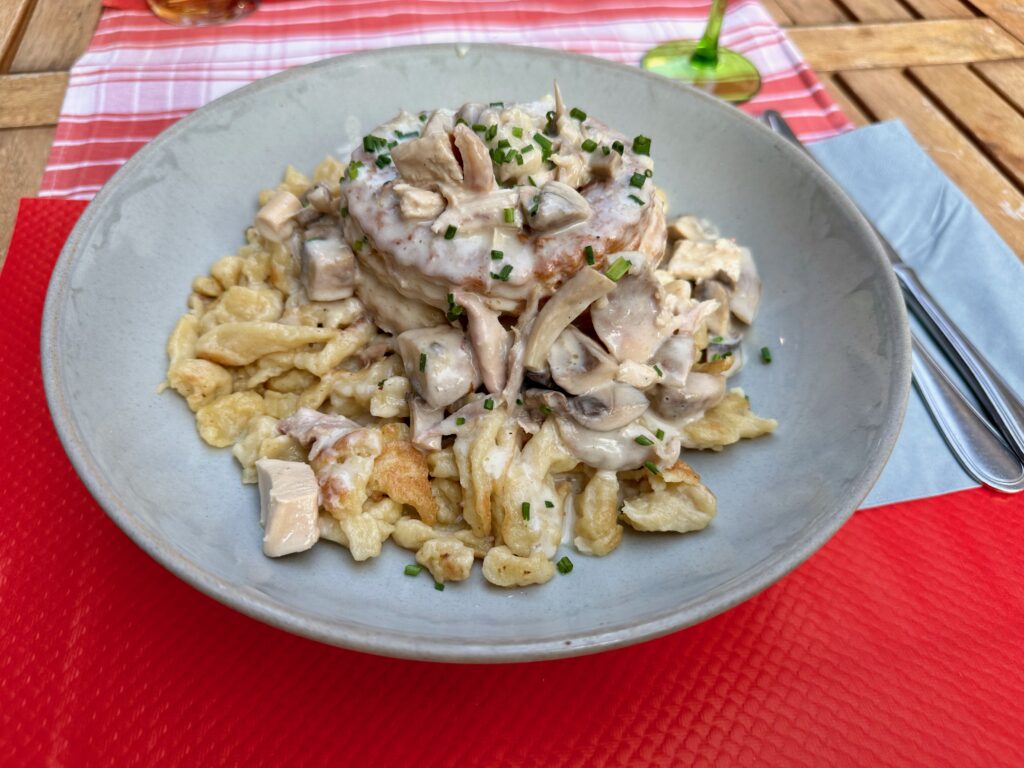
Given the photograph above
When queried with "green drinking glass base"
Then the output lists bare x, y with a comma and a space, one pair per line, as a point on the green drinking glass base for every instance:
732, 77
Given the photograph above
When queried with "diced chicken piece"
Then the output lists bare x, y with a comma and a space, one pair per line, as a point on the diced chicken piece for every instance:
491, 341
439, 364
476, 161
702, 259
605, 166
275, 219
321, 199
427, 160
391, 310
416, 203
328, 269
289, 498
637, 375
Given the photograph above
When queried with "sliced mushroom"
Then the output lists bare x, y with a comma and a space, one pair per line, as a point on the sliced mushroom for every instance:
438, 363
422, 421
470, 213
491, 341
477, 169
610, 406
427, 160
613, 450
520, 334
470, 111
555, 207
416, 203
578, 363
328, 268
568, 302
319, 196
674, 359
702, 391
275, 219
391, 310
746, 296
630, 322
718, 321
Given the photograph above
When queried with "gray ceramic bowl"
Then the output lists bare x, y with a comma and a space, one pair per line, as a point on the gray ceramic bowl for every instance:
832, 315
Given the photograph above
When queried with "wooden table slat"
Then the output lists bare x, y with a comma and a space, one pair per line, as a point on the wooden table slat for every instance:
813, 11
981, 111
1007, 77
889, 94
14, 17
1009, 14
31, 100
776, 12
941, 9
23, 154
842, 97
57, 34
877, 10
904, 44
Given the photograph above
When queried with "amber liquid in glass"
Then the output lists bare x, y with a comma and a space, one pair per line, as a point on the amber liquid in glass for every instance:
198, 12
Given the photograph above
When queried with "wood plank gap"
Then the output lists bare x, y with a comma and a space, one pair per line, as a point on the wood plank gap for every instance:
847, 100
1009, 14
1006, 78
14, 19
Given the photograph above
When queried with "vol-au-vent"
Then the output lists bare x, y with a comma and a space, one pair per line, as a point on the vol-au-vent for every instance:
478, 338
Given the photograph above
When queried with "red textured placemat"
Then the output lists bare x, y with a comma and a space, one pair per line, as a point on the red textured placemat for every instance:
900, 643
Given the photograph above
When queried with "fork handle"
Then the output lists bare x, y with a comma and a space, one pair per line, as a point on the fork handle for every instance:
995, 395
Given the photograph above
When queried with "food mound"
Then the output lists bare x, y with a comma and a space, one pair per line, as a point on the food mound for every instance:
479, 339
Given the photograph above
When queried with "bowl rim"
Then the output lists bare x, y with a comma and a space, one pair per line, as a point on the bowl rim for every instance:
410, 645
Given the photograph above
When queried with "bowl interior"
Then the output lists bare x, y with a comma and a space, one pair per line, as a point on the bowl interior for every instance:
831, 315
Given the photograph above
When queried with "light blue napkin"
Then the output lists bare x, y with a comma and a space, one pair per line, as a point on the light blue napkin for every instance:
973, 274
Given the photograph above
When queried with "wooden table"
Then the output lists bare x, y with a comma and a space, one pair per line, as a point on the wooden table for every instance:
952, 70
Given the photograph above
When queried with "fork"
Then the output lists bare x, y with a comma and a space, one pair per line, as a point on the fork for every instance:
991, 455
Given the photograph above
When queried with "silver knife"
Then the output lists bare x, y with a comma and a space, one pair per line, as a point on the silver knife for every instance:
992, 456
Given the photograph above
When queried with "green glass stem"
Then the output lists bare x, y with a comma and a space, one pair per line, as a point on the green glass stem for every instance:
706, 52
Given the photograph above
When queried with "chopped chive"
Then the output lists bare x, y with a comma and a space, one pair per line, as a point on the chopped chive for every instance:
564, 565
642, 145
643, 440
496, 255
715, 357
532, 182
380, 384
423, 361
492, 131
766, 355
637, 180
505, 272
527, 150
660, 434
353, 169
657, 370
488, 404
534, 205
461, 121
413, 570
509, 214
526, 510
589, 145
544, 142
546, 410
588, 252
344, 213
372, 143
549, 504
636, 199
652, 467
605, 151
617, 146
498, 104
648, 173
460, 420
519, 401
618, 269
314, 239
383, 161
717, 339
519, 158
409, 135
450, 232
357, 246
392, 144
423, 117
439, 586
517, 131
479, 127
550, 127
503, 143
577, 114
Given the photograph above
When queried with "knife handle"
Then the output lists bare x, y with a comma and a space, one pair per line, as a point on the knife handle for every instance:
995, 395
969, 436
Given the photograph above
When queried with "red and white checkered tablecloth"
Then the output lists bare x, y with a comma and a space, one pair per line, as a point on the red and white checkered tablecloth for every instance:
141, 74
